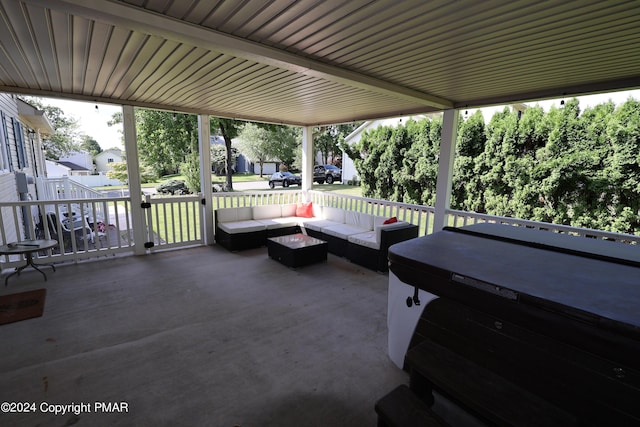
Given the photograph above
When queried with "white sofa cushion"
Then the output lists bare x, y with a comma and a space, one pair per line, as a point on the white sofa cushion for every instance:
317, 211
317, 224
246, 226
245, 214
333, 214
233, 214
267, 212
367, 239
378, 220
342, 231
273, 223
288, 210
359, 219
226, 215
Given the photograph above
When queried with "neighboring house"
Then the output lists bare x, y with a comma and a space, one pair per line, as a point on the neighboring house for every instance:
105, 159
76, 169
243, 164
77, 163
22, 128
60, 168
268, 168
79, 168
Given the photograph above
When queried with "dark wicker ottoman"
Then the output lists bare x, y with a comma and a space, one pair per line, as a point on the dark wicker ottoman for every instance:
297, 250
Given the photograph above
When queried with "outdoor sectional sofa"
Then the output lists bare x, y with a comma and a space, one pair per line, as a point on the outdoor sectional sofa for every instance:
362, 238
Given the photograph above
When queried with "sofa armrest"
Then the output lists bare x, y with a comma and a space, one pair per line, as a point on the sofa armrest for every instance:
396, 233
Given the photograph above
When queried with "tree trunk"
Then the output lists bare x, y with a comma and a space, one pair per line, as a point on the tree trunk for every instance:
229, 167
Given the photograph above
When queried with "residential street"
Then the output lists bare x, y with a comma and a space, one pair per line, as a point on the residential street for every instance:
242, 186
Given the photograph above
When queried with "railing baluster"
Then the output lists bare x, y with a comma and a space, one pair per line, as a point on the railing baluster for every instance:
185, 211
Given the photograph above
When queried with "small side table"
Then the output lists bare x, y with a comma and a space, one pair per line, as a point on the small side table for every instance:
297, 250
27, 248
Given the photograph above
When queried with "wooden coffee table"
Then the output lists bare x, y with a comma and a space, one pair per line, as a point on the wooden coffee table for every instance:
297, 250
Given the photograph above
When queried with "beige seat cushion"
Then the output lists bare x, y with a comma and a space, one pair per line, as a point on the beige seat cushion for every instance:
247, 226
342, 231
288, 210
274, 223
359, 219
267, 212
333, 214
318, 224
367, 239
233, 214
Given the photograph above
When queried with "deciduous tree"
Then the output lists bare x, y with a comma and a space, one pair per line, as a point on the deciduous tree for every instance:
90, 145
254, 142
64, 140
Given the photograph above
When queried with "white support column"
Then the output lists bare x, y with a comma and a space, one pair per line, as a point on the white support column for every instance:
445, 168
307, 159
135, 189
204, 145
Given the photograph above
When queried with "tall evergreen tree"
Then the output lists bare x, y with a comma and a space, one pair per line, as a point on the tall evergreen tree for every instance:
467, 188
565, 166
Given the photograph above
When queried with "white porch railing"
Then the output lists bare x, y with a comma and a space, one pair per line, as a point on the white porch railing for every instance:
84, 228
462, 218
103, 227
422, 216
257, 198
63, 189
173, 222
88, 228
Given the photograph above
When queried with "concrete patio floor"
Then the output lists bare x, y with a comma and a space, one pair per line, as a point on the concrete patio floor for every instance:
201, 337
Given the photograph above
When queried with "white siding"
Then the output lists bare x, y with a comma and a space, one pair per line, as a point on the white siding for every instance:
79, 158
10, 109
8, 193
102, 160
348, 169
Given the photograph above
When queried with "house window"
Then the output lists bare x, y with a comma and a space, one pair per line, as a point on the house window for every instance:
19, 139
109, 160
5, 152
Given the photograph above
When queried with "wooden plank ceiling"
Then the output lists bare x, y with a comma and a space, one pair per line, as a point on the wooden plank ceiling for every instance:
309, 62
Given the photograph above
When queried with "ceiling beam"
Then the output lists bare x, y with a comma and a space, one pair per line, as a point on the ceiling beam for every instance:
141, 20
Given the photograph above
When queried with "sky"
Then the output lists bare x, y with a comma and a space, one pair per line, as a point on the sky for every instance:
93, 121
585, 101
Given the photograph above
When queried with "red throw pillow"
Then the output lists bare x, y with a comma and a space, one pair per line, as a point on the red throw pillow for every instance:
304, 210
391, 220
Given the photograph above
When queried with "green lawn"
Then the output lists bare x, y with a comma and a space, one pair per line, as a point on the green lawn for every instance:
349, 190
177, 222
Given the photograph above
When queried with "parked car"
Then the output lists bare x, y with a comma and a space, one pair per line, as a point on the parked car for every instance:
328, 173
285, 179
173, 186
